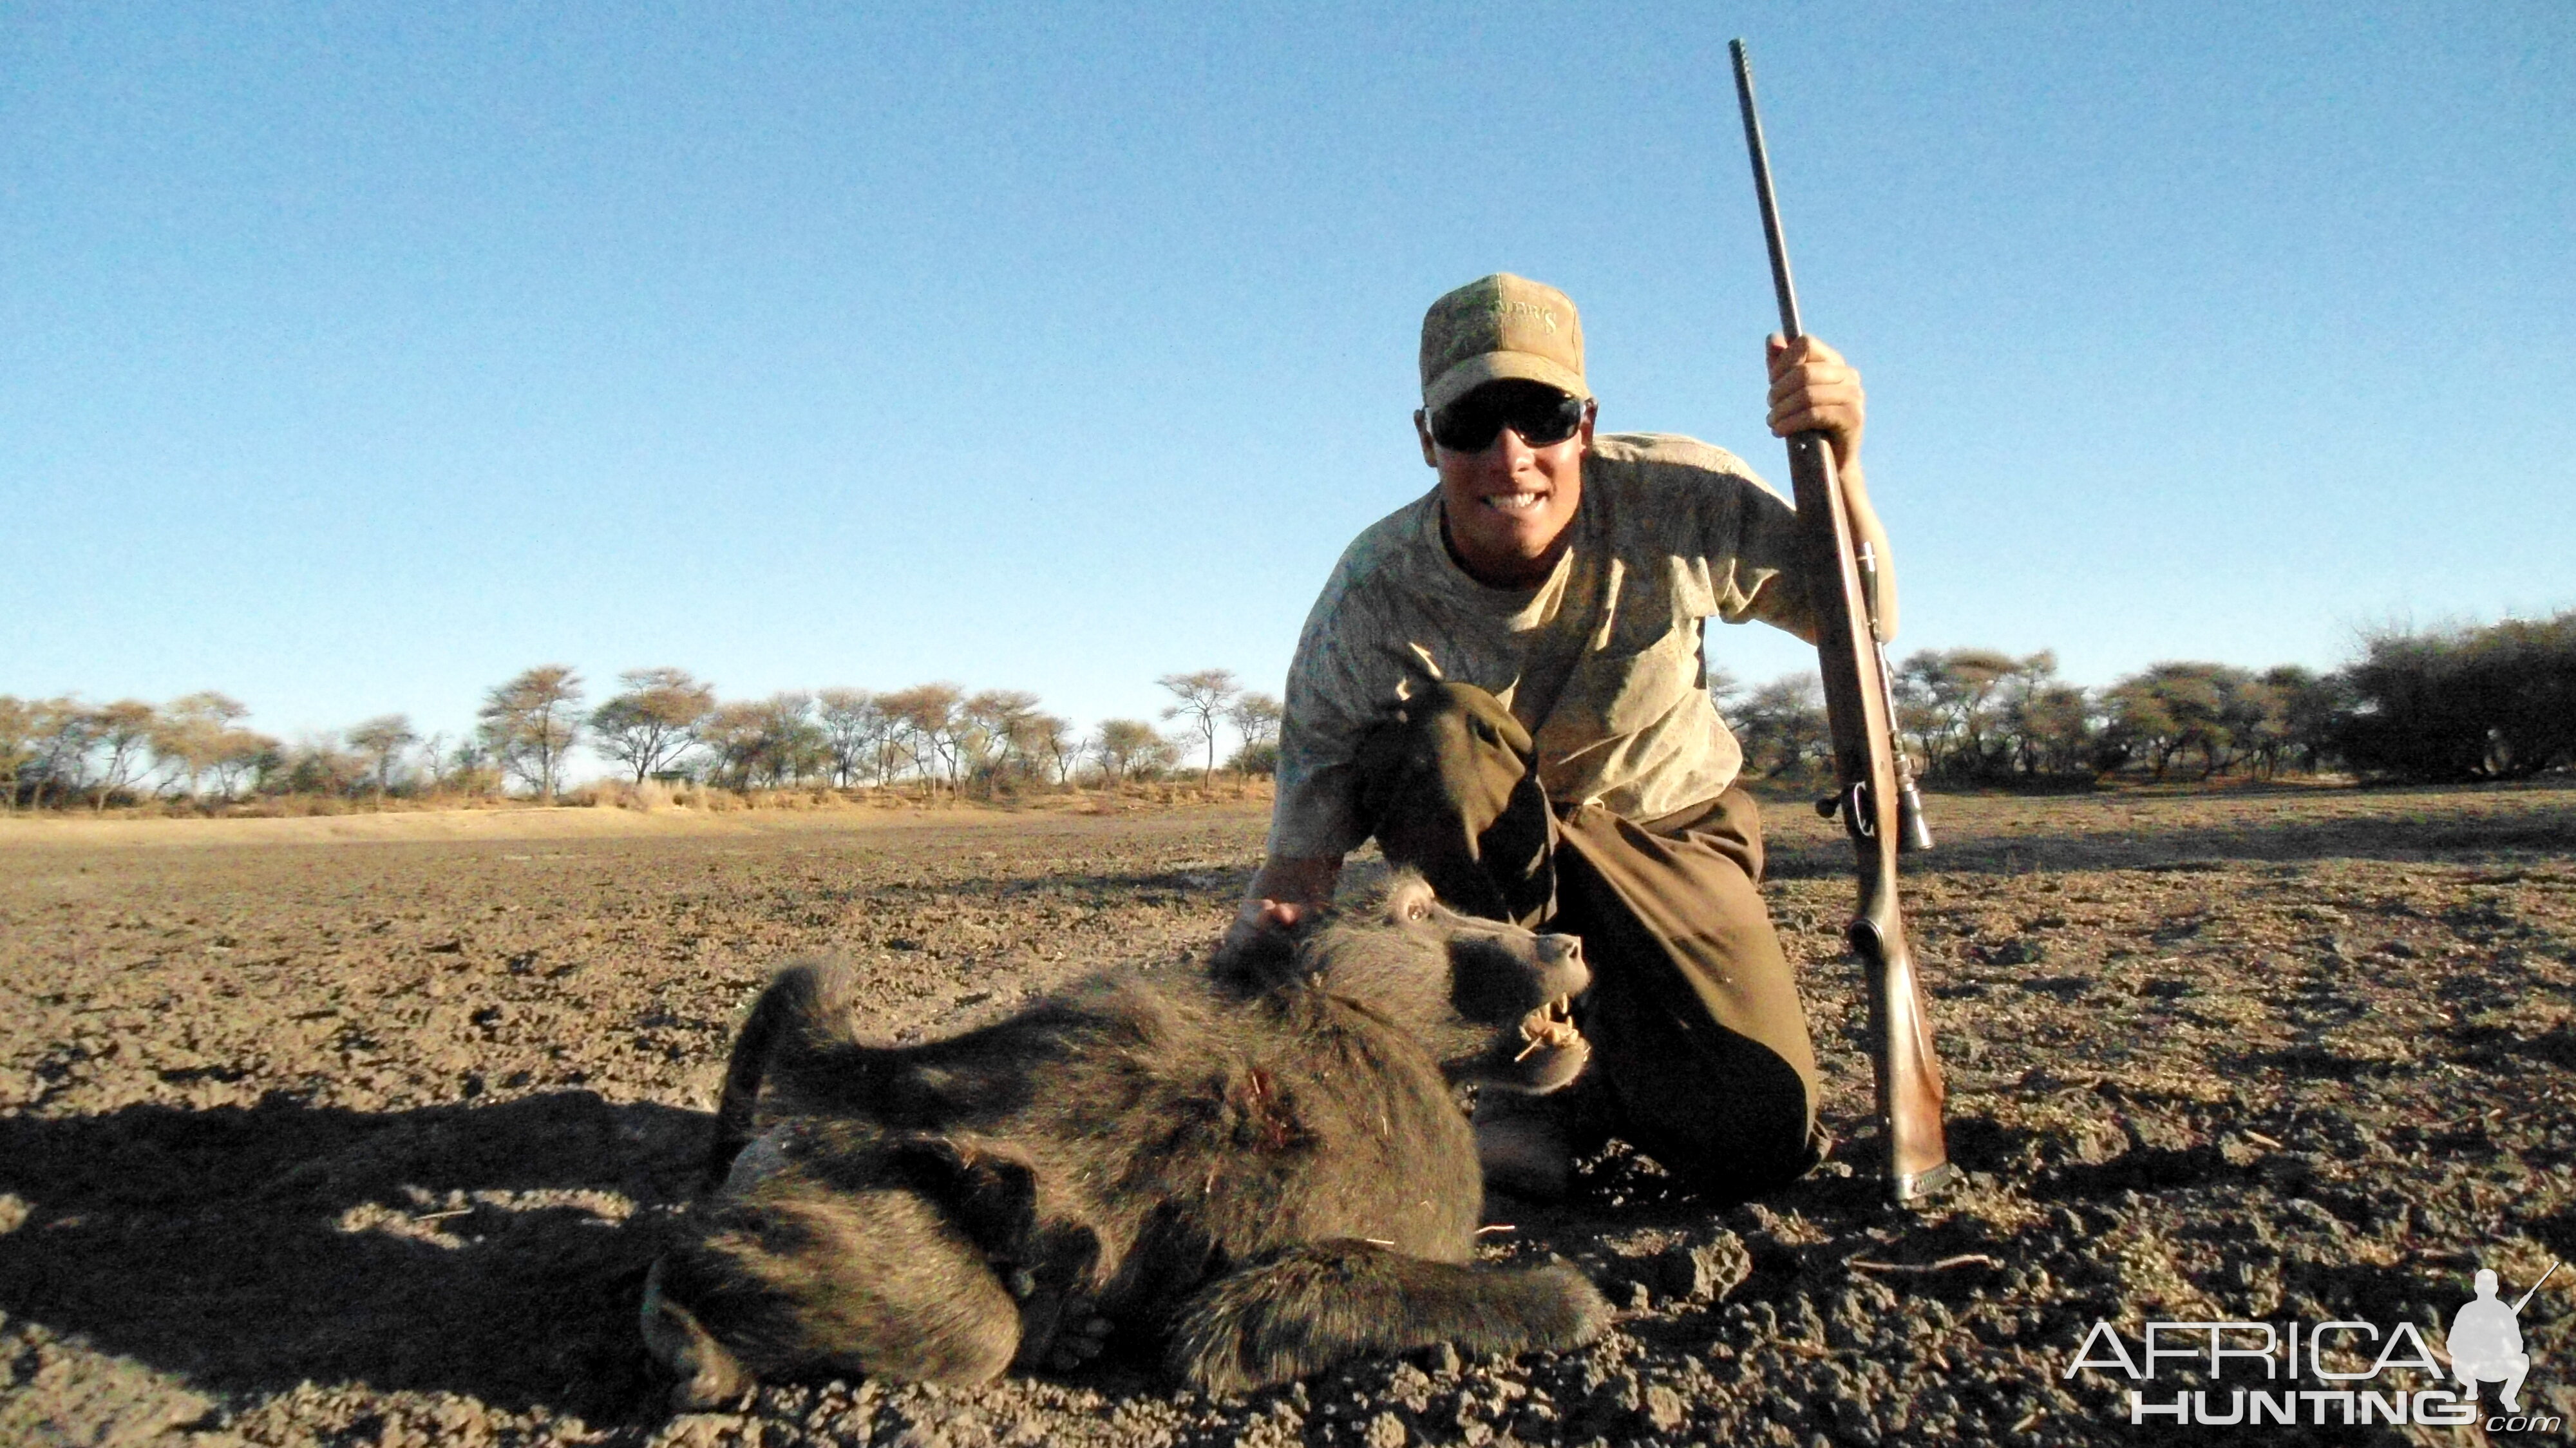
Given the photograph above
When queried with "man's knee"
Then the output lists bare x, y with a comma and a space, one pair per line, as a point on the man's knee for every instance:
1740, 1130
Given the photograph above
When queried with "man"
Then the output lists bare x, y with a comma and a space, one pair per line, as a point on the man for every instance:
1502, 684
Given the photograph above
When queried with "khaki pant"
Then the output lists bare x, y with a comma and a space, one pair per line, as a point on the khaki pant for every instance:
1700, 1051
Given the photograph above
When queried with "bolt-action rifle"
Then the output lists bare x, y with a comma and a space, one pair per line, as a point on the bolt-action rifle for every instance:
1877, 800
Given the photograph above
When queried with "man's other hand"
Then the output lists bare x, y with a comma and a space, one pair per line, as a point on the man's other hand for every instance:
1814, 390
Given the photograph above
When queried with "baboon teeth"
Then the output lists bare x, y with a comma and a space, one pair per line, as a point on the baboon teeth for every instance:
1550, 1027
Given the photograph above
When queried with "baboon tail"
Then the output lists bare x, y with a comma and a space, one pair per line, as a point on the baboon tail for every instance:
800, 1013
1313, 1306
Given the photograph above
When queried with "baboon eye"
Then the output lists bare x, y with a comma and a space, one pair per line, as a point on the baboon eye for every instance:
1416, 910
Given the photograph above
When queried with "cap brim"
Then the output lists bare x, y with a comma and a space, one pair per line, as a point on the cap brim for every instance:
1475, 372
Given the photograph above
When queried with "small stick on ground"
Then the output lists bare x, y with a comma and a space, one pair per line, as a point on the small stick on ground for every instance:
1964, 1259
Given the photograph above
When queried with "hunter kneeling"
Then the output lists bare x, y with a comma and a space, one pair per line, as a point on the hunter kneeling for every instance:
1502, 684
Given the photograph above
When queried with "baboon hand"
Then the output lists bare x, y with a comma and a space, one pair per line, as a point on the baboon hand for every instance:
1073, 1349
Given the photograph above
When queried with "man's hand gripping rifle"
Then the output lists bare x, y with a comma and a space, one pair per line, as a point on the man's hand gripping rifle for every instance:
1877, 801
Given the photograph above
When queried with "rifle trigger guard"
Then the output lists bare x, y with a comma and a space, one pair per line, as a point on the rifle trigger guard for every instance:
1858, 817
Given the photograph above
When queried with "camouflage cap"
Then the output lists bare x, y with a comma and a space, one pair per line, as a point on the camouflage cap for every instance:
1500, 326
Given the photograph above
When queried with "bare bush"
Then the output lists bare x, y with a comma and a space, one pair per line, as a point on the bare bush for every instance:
1130, 748
1256, 718
1781, 725
2496, 702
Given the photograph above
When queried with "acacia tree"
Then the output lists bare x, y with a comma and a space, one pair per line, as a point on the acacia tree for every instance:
2053, 727
2313, 708
1953, 701
2174, 708
772, 741
532, 722
314, 764
1202, 698
17, 746
854, 728
124, 730
996, 723
1052, 739
926, 724
2493, 701
190, 734
378, 743
1256, 717
794, 745
62, 732
647, 723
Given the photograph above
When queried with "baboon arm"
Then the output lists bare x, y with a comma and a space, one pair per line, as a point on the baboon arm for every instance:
800, 1015
1313, 1306
790, 993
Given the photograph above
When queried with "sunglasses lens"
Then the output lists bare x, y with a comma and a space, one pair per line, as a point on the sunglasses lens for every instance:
1542, 416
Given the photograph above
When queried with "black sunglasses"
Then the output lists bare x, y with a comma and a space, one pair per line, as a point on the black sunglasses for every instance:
1542, 415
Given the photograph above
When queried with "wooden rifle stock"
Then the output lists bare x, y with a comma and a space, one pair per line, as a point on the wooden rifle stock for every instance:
1877, 801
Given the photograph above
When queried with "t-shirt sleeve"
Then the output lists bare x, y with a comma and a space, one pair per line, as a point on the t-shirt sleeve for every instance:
1316, 815
1751, 538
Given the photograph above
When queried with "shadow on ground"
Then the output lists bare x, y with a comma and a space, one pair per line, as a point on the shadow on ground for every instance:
474, 1250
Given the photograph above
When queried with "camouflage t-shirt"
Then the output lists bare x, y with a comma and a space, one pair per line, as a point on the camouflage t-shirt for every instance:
1601, 661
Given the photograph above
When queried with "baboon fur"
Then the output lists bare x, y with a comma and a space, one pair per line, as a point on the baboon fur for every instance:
1263, 1171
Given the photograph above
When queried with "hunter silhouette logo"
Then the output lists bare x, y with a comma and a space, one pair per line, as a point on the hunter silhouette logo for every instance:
2485, 1340
2258, 1373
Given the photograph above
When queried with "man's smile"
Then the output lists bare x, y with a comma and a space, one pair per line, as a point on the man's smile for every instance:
1520, 502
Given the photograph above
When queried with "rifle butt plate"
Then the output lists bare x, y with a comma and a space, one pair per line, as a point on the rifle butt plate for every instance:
1916, 1189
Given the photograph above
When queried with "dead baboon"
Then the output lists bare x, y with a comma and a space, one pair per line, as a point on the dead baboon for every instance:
1264, 1171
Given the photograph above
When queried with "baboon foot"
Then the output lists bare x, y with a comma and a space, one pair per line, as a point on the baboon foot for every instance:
1311, 1307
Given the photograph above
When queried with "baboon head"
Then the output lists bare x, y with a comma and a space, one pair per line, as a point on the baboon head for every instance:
1492, 1000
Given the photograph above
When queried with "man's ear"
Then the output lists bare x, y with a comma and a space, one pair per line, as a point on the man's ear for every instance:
1591, 415
1422, 430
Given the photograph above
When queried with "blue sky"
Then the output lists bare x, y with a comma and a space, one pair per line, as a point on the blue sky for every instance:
353, 358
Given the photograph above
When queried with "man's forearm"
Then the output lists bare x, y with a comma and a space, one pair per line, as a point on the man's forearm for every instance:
1866, 529
1295, 880
1283, 889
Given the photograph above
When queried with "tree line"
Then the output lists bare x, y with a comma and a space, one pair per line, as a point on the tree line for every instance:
2484, 702
2487, 702
661, 724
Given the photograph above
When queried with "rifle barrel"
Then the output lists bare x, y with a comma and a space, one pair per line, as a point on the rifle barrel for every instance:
1780, 282
2554, 1265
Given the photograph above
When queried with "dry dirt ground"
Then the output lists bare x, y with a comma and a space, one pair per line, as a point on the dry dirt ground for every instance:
330, 1133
